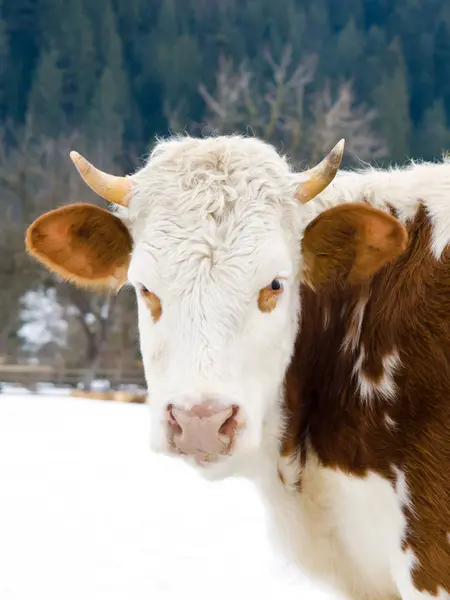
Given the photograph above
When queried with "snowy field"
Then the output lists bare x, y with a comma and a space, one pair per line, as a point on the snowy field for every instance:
88, 513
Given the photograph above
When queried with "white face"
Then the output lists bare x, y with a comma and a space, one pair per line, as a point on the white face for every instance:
213, 238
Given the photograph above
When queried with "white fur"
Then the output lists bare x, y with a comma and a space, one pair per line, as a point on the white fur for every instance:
384, 388
343, 530
390, 422
214, 221
402, 188
352, 339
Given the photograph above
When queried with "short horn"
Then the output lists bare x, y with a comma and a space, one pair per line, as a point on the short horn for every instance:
110, 187
315, 180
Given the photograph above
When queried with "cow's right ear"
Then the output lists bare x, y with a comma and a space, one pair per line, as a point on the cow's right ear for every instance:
82, 243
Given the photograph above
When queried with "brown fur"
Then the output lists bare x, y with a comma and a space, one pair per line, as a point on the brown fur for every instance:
408, 309
267, 299
349, 243
82, 243
153, 303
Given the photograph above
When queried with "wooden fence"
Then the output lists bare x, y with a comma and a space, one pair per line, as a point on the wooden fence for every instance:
30, 375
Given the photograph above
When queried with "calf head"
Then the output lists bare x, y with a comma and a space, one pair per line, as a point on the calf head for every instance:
211, 234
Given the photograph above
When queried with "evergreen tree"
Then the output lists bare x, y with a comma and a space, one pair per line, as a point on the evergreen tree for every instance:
442, 64
413, 21
72, 36
392, 104
112, 98
372, 64
105, 120
45, 101
377, 12
177, 61
433, 136
107, 38
254, 20
318, 26
345, 10
349, 49
297, 18
21, 19
422, 87
4, 63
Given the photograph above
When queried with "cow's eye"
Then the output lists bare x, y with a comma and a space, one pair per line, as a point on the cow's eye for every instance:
269, 295
276, 285
152, 302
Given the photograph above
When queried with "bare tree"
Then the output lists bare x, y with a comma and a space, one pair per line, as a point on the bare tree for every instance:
36, 175
337, 117
16, 275
94, 314
282, 111
21, 178
67, 325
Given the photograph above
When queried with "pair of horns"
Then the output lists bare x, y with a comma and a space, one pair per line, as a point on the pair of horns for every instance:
118, 189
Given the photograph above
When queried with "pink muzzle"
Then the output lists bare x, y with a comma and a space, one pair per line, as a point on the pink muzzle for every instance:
205, 431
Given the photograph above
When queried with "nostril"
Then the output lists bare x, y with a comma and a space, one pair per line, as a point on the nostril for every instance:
171, 420
229, 426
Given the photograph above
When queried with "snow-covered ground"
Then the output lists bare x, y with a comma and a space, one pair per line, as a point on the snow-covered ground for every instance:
87, 512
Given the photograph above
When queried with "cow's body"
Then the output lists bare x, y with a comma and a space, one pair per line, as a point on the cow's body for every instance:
341, 379
369, 408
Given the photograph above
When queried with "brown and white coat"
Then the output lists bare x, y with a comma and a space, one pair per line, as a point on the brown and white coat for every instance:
306, 346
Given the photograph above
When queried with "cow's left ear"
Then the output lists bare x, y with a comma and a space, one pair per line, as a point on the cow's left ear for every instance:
349, 243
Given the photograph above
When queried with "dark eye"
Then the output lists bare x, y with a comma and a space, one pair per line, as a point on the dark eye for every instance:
276, 285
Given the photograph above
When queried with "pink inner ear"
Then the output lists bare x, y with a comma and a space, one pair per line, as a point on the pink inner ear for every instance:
384, 239
383, 233
58, 229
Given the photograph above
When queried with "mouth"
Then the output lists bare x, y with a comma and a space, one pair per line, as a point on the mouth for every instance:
201, 460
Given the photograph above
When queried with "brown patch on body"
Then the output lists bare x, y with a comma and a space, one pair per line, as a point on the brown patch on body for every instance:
153, 303
407, 309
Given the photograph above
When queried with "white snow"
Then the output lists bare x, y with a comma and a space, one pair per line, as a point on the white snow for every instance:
87, 512
43, 319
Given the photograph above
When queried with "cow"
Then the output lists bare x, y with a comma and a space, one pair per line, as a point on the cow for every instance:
295, 330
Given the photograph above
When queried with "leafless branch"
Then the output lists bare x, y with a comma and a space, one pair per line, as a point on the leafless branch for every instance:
281, 110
